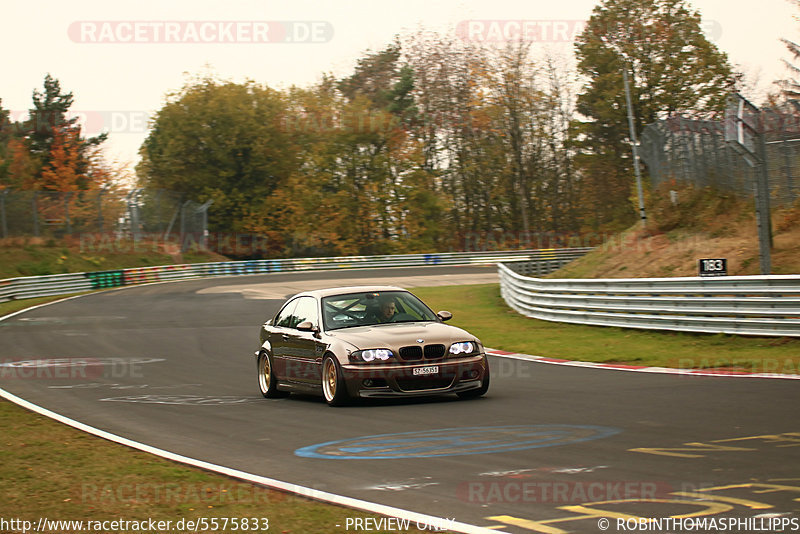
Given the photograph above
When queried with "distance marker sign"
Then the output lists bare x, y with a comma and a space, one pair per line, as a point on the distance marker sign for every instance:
713, 267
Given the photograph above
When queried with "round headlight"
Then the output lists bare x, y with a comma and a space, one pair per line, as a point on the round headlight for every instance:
383, 354
465, 347
370, 355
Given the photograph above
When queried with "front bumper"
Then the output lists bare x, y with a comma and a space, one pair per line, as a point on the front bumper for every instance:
399, 380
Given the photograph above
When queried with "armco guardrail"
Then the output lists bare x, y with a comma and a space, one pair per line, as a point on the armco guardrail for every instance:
752, 305
546, 261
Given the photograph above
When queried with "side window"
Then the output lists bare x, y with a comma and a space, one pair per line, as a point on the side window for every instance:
306, 311
286, 316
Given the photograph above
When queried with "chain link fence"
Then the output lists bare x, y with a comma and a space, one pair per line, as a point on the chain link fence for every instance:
165, 213
695, 151
130, 214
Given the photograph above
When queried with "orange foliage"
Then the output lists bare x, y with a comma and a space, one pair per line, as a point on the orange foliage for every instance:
21, 168
64, 172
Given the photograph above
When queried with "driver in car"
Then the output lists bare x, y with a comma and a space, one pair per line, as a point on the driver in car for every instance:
388, 310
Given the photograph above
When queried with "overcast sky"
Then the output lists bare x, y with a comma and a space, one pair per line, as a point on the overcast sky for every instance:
120, 58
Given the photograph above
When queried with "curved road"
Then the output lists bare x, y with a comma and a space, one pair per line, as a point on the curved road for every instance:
551, 449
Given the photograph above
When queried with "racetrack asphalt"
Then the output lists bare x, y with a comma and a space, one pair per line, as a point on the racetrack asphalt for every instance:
551, 449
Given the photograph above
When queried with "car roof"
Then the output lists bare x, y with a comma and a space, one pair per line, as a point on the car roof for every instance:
331, 291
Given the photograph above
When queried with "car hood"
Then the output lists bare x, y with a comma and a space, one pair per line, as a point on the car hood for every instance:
396, 335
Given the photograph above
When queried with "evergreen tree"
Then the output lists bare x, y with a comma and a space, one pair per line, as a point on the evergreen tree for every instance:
49, 116
374, 77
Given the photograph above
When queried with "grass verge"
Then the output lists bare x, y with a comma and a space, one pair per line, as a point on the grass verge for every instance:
54, 471
480, 310
38, 256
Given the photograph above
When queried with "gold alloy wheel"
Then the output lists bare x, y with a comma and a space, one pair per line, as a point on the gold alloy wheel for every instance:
329, 379
265, 374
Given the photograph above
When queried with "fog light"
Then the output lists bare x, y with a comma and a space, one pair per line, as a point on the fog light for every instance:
473, 374
368, 383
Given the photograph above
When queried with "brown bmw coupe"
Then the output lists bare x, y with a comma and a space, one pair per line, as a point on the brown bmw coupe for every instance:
376, 341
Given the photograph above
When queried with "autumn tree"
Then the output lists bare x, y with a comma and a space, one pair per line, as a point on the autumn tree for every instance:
64, 171
560, 193
515, 92
377, 96
17, 167
673, 68
359, 187
21, 168
49, 118
458, 143
219, 141
47, 151
46, 163
495, 133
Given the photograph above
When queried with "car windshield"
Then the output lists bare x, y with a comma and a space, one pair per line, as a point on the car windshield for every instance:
372, 308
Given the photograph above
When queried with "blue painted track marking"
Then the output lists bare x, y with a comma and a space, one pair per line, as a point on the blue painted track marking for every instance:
455, 442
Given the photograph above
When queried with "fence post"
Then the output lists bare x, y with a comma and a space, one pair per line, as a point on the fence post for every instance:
35, 209
787, 162
183, 219
100, 210
762, 205
66, 212
203, 210
133, 213
3, 212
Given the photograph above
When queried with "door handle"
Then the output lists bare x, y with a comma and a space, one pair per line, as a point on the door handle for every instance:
285, 337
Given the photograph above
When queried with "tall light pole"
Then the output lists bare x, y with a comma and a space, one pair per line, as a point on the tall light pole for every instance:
634, 144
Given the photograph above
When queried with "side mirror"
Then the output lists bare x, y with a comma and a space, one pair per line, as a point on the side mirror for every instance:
444, 315
306, 326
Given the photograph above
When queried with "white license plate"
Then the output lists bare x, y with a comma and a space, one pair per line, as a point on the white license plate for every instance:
423, 371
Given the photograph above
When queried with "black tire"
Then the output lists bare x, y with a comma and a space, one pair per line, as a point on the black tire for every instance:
478, 392
333, 387
267, 383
